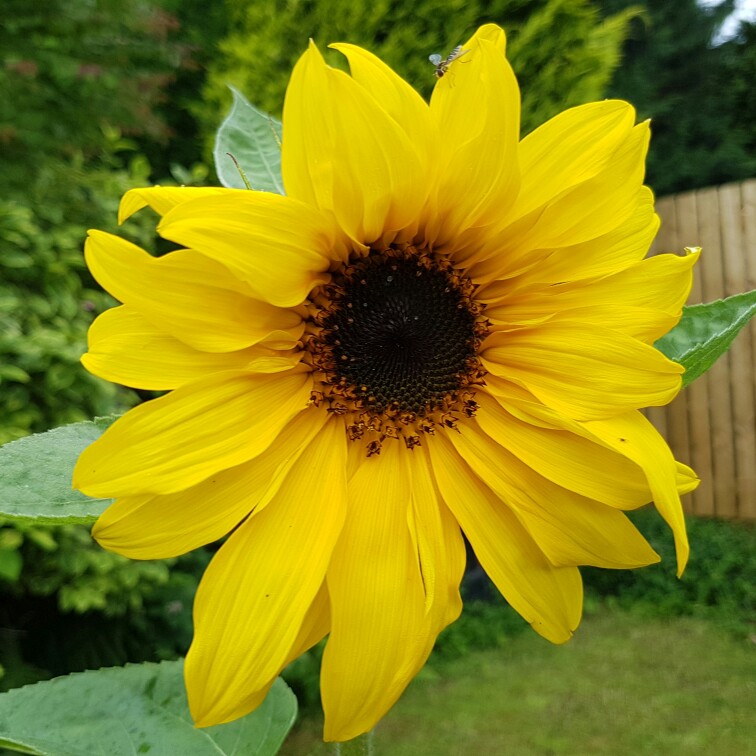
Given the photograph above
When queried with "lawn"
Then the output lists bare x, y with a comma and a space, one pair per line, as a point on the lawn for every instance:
623, 685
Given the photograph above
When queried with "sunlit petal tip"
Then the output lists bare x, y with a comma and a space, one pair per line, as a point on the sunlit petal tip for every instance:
131, 202
644, 127
491, 33
392, 93
97, 237
682, 549
314, 54
686, 479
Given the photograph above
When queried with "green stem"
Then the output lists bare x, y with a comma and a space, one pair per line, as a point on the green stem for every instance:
360, 746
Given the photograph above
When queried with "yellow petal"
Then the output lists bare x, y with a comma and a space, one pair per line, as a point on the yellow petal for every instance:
642, 323
255, 594
661, 282
314, 628
549, 598
279, 246
127, 349
188, 296
633, 435
316, 624
438, 542
609, 253
629, 434
476, 107
379, 182
380, 632
363, 164
567, 459
580, 213
583, 372
309, 140
398, 99
644, 300
157, 527
599, 204
163, 198
572, 147
570, 529
687, 480
176, 441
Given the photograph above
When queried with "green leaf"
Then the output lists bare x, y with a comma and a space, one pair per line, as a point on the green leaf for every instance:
706, 331
10, 565
254, 139
35, 475
136, 709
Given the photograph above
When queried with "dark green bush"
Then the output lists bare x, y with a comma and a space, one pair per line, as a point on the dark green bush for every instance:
74, 606
719, 582
70, 70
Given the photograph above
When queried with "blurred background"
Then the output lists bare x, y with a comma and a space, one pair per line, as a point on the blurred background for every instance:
98, 96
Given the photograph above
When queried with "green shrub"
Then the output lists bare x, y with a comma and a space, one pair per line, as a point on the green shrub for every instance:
72, 69
719, 581
45, 309
75, 606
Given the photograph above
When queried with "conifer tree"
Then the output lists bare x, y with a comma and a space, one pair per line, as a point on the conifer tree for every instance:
675, 74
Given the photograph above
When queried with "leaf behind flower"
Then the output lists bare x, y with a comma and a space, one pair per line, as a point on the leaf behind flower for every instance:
254, 140
136, 709
706, 332
35, 475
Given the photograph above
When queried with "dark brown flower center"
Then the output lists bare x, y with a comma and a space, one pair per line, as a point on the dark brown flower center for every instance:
394, 342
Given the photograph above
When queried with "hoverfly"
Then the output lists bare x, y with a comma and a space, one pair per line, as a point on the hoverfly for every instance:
442, 64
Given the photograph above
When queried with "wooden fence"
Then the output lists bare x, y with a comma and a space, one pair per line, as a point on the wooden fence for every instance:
711, 425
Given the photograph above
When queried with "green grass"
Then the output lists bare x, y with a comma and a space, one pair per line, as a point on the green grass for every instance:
624, 685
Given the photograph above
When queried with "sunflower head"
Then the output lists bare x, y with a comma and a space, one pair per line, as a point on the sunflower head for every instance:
439, 329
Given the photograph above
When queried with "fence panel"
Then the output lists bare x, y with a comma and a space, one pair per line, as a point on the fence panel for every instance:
711, 425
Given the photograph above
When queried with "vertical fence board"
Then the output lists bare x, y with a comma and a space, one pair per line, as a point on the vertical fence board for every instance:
697, 228
681, 211
666, 241
747, 506
741, 363
712, 423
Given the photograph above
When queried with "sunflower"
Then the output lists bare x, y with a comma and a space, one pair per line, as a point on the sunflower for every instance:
440, 329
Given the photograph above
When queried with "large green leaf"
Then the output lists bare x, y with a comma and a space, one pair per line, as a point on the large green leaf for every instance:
706, 331
35, 475
254, 139
136, 709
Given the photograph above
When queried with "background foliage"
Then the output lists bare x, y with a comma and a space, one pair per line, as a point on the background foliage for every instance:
699, 95
265, 40
84, 106
97, 96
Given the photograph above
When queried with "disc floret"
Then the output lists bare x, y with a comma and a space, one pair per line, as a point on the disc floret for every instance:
393, 338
